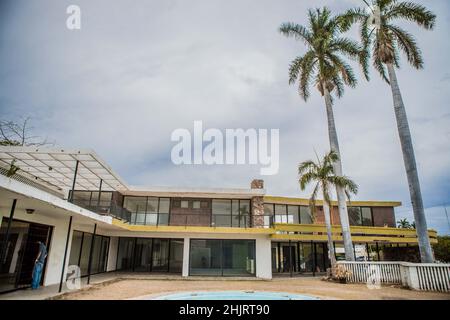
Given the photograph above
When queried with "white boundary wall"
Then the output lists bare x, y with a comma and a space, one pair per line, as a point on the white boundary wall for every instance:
417, 276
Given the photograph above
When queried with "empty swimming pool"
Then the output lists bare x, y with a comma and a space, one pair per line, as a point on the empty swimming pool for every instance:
234, 295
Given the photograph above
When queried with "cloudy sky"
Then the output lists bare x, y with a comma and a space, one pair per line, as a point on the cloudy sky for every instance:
137, 70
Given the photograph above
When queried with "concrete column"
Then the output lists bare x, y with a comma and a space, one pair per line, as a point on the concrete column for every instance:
186, 245
112, 253
263, 258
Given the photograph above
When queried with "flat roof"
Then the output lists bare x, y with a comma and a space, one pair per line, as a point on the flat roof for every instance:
240, 193
57, 167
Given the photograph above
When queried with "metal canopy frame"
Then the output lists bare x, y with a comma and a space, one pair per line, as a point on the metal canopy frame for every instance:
57, 167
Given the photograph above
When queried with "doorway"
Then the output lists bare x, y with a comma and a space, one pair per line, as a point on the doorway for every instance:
20, 252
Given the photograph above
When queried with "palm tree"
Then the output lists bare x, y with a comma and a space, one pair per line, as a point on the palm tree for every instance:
385, 40
323, 175
324, 66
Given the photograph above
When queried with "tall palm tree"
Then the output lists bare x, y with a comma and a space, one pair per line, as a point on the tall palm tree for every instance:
324, 66
323, 175
385, 40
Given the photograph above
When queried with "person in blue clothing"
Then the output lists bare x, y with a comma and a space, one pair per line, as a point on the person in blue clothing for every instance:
39, 265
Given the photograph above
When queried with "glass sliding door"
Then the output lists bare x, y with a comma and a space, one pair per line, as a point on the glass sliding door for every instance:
160, 255
143, 255
238, 258
125, 254
206, 258
176, 256
222, 258
150, 255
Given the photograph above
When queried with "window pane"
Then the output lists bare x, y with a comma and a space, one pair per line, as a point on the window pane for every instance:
280, 213
244, 206
354, 215
235, 207
125, 254
140, 218
293, 214
366, 216
238, 257
221, 210
163, 219
152, 205
143, 255
85, 250
206, 257
185, 204
268, 208
96, 250
75, 248
176, 256
196, 204
305, 215
135, 204
164, 205
151, 219
221, 207
160, 255
235, 221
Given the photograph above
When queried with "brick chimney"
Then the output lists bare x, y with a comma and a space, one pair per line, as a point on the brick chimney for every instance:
257, 184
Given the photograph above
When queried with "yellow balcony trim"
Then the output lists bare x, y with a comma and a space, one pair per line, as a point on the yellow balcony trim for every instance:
353, 229
191, 229
355, 239
302, 201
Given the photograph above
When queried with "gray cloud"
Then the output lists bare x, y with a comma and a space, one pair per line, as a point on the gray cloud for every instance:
138, 70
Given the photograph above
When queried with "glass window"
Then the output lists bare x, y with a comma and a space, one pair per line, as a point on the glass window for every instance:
222, 257
160, 255
152, 205
196, 204
184, 204
280, 213
85, 250
292, 214
176, 256
238, 257
366, 216
151, 219
354, 215
268, 209
125, 254
75, 248
135, 204
206, 257
305, 215
143, 255
163, 219
221, 210
140, 218
164, 205
244, 207
235, 220
244, 210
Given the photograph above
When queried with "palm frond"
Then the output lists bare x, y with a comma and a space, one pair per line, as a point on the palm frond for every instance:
296, 31
408, 45
411, 12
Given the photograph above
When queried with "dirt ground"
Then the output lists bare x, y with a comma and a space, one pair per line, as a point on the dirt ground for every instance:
139, 288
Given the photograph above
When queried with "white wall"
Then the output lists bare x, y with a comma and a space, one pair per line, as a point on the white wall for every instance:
263, 258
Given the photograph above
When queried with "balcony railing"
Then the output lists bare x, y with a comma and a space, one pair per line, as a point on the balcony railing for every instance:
359, 234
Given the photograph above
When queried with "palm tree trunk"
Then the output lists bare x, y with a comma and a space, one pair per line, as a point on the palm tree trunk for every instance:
426, 253
326, 213
342, 204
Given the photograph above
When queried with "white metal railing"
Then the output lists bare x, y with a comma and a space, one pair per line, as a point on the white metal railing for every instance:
417, 276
